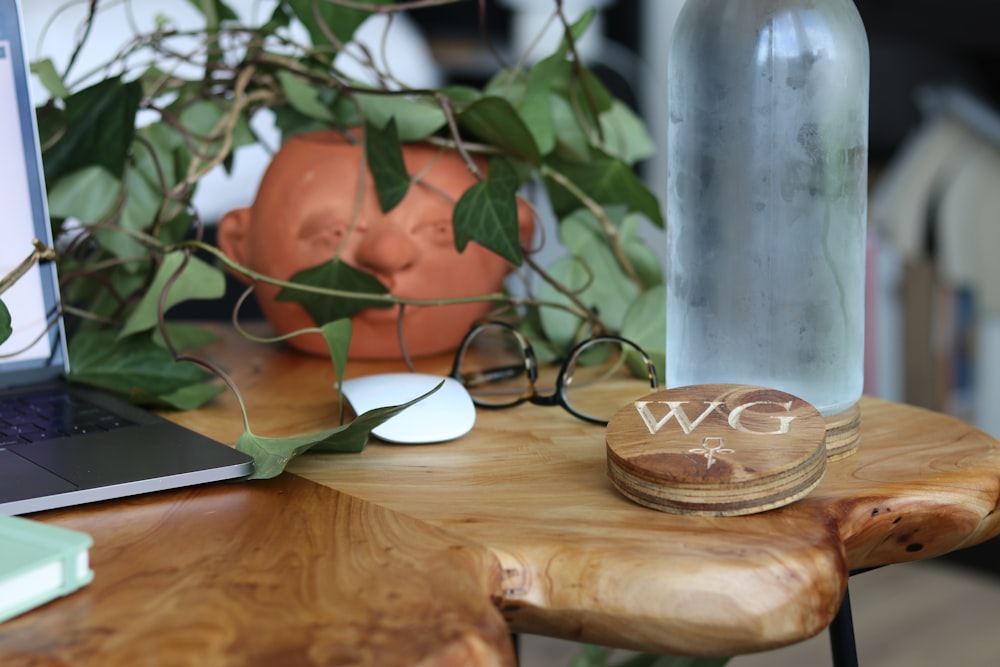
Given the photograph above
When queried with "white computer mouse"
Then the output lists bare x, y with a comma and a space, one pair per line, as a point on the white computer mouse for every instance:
446, 414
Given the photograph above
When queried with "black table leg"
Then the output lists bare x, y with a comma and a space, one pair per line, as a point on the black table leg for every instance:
842, 645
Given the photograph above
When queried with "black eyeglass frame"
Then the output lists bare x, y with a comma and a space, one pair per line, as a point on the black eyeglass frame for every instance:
558, 397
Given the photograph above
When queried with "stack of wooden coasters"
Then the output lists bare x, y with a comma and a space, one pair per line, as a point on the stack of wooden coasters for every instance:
716, 450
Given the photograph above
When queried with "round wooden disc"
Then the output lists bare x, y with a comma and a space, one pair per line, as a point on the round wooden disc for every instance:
718, 450
843, 433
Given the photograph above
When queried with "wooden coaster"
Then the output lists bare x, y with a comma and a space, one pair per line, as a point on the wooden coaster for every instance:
716, 450
843, 433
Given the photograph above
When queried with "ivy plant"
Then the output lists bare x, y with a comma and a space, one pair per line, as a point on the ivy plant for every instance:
125, 147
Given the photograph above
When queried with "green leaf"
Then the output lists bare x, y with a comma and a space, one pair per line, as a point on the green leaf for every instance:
385, 162
280, 18
214, 11
645, 324
161, 154
625, 135
416, 118
143, 201
581, 92
271, 455
291, 122
189, 397
338, 340
591, 656
645, 260
92, 194
338, 275
196, 280
495, 121
202, 118
607, 181
577, 29
303, 97
589, 93
186, 336
89, 194
332, 18
461, 94
133, 365
487, 213
5, 328
50, 79
572, 141
593, 273
99, 123
529, 94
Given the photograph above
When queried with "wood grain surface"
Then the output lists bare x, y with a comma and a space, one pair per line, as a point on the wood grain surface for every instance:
525, 506
583, 563
272, 573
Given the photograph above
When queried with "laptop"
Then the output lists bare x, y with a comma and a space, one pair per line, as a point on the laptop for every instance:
61, 444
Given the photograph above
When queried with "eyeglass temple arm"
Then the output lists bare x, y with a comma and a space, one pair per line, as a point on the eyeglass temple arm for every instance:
487, 375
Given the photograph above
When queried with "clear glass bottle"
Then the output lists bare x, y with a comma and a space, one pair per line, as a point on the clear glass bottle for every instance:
767, 199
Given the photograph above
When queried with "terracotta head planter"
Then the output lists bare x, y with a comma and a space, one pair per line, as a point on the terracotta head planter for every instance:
301, 217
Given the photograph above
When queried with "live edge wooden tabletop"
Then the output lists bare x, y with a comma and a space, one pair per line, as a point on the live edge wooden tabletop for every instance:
417, 554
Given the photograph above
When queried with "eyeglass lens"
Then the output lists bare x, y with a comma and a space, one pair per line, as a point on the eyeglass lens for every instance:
601, 375
493, 367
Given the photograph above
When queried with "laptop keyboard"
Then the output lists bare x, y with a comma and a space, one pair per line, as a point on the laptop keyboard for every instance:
52, 414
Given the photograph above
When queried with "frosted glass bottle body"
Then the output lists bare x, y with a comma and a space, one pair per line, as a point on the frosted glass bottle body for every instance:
767, 197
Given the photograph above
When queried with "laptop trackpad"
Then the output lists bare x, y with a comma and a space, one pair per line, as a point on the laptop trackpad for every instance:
20, 479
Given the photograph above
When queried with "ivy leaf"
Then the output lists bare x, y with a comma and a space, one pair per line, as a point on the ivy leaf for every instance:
385, 162
291, 122
88, 194
606, 180
303, 97
416, 118
572, 142
50, 78
341, 22
577, 29
197, 280
645, 260
186, 336
625, 135
135, 366
587, 90
188, 397
645, 324
5, 327
593, 273
495, 121
271, 455
459, 94
487, 213
581, 90
338, 340
201, 119
214, 11
335, 274
99, 123
529, 94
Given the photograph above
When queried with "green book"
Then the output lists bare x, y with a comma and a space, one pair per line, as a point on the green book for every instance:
38, 563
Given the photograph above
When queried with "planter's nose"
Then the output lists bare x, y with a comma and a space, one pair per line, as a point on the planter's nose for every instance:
385, 249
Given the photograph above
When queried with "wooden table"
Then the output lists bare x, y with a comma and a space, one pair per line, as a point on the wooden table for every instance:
431, 554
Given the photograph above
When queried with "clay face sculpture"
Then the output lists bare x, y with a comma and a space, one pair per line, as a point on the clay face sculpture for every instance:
303, 216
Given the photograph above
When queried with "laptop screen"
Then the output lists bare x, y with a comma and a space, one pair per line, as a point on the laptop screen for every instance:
35, 349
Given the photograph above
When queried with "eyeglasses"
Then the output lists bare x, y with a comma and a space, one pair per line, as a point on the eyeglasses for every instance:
499, 368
